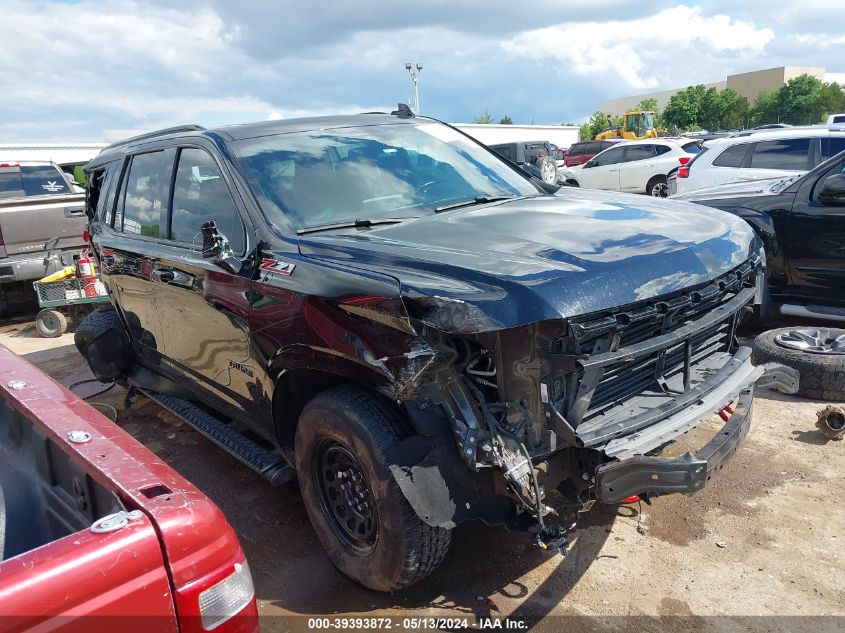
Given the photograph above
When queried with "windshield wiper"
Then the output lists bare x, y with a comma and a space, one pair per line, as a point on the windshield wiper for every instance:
476, 200
352, 224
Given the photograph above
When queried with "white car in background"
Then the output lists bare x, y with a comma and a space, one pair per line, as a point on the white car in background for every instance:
634, 166
760, 155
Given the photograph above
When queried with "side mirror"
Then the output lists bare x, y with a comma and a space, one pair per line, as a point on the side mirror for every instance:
589, 163
832, 193
215, 247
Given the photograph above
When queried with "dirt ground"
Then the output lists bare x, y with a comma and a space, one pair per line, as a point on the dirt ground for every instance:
764, 538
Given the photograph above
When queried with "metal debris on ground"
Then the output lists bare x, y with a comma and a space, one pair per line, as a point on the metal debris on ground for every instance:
831, 422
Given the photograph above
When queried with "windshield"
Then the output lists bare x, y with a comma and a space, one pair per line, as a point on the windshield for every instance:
329, 176
640, 123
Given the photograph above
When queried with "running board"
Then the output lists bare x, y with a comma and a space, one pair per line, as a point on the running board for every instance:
266, 463
814, 312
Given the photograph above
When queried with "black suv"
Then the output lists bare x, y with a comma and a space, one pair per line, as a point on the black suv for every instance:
536, 157
801, 219
385, 309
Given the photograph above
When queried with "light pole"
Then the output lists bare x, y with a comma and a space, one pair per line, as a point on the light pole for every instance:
415, 78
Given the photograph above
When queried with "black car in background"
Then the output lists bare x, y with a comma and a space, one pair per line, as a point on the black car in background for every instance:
801, 220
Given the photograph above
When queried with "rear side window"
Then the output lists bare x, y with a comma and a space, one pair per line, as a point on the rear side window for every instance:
201, 194
662, 149
692, 148
839, 119
783, 154
43, 180
639, 152
594, 148
144, 195
504, 150
835, 145
732, 156
577, 149
10, 183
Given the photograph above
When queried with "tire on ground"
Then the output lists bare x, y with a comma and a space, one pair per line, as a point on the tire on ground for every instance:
102, 340
406, 549
50, 323
822, 375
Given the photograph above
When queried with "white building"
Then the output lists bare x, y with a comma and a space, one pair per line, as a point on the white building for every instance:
64, 154
490, 134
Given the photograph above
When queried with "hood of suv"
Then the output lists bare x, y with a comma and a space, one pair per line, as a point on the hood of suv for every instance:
507, 264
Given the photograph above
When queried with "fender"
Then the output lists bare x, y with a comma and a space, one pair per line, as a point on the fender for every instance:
764, 227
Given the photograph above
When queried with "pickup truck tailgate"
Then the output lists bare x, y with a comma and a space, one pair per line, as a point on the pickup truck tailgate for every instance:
63, 585
26, 224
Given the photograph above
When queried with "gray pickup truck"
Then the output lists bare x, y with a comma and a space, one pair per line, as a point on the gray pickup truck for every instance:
40, 210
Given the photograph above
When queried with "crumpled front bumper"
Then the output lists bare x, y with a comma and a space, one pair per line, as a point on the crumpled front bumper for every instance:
638, 474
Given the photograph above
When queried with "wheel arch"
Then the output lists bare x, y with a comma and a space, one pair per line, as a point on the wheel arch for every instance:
299, 380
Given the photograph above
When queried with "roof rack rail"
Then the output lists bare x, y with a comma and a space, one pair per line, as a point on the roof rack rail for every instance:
169, 130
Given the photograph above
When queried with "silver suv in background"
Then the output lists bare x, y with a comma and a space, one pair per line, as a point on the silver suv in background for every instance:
759, 155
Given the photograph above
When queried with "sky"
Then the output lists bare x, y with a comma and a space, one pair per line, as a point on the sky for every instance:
94, 70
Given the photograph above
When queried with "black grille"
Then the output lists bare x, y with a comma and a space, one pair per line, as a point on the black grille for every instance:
663, 371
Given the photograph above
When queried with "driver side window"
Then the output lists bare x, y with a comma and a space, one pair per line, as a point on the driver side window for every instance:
201, 194
610, 157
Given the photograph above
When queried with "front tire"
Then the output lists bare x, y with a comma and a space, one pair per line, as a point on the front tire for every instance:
548, 169
365, 524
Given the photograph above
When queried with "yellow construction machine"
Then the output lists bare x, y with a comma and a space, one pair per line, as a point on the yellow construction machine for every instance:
635, 126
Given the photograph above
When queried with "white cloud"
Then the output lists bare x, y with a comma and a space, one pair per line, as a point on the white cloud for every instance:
660, 50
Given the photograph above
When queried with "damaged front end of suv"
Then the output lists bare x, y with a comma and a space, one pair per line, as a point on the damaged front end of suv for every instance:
526, 426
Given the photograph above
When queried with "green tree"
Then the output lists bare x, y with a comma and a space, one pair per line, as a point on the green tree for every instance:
684, 108
800, 100
506, 120
766, 108
832, 99
597, 123
486, 118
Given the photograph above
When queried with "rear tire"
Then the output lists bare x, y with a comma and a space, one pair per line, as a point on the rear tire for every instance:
50, 323
548, 169
657, 187
385, 546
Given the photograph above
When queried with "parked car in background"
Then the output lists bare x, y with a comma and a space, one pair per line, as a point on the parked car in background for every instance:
40, 209
416, 329
801, 220
580, 153
760, 155
836, 119
634, 166
536, 154
96, 529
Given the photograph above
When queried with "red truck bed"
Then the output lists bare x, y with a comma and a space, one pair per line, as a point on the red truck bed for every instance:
176, 550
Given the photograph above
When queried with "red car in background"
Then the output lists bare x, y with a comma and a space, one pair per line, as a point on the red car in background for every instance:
97, 533
580, 153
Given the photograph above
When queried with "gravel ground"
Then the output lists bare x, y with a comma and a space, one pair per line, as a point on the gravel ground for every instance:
764, 538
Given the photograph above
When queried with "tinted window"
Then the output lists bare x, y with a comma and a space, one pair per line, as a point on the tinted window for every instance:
145, 194
784, 154
504, 150
603, 145
578, 149
610, 157
835, 145
732, 156
200, 195
43, 180
692, 148
639, 152
839, 119
10, 184
593, 148
662, 149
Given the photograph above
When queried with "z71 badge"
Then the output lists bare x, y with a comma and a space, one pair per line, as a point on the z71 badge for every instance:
270, 265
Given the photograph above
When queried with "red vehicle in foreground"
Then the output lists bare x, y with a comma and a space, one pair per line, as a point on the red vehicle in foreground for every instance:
97, 533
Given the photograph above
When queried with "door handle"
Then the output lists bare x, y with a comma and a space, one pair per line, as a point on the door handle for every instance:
164, 275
